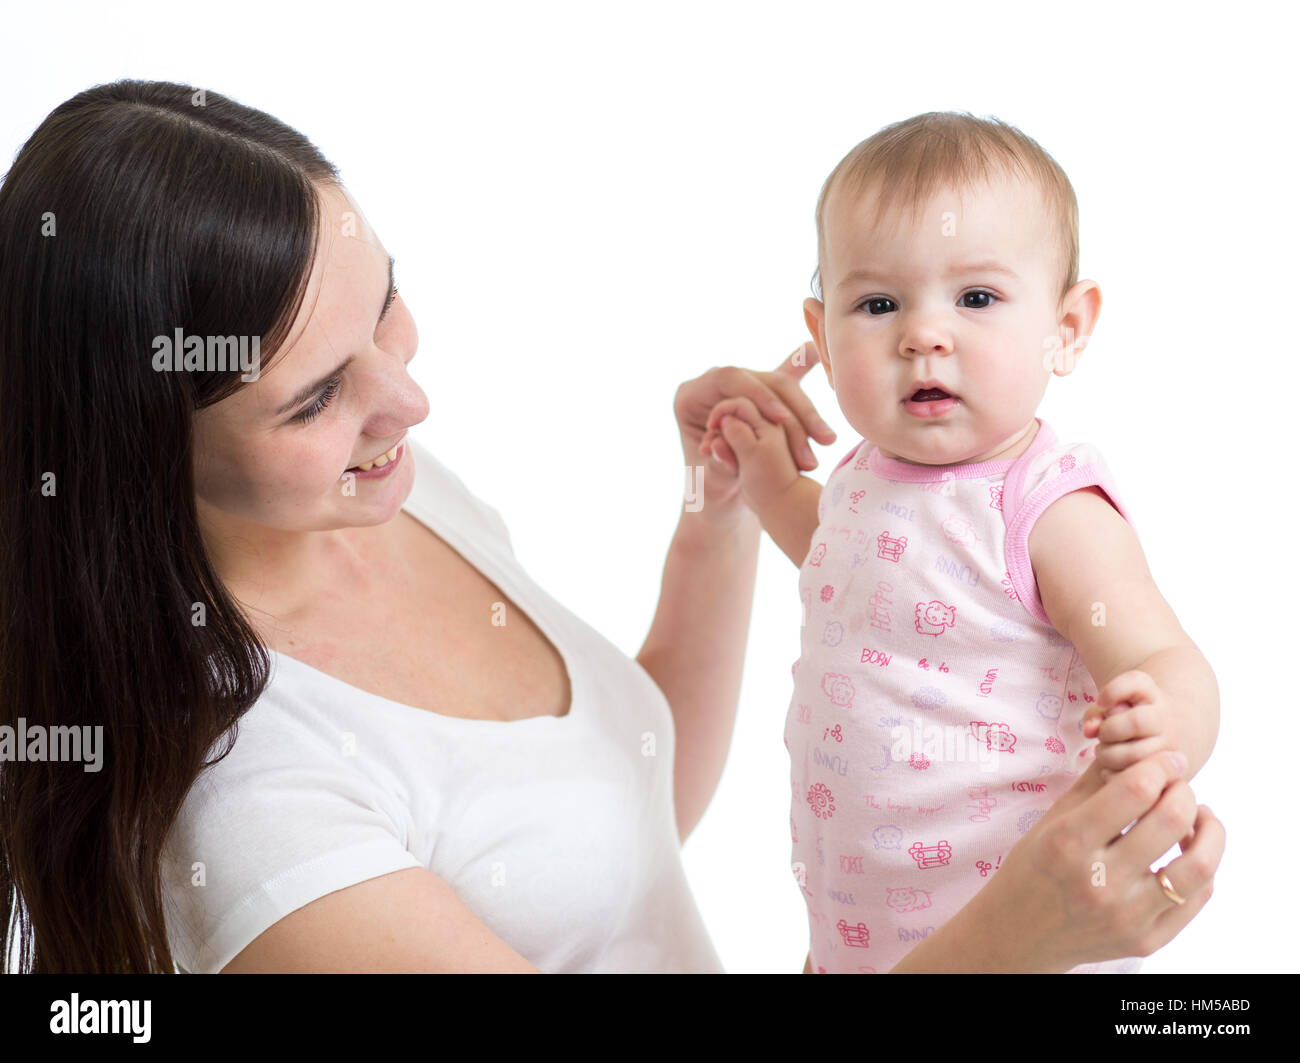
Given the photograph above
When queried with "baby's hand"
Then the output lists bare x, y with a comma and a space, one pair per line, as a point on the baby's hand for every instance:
761, 447
1133, 718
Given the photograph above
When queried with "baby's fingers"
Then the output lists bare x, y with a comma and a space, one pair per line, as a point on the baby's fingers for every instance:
742, 411
1116, 757
1141, 721
1091, 722
716, 446
737, 406
1133, 687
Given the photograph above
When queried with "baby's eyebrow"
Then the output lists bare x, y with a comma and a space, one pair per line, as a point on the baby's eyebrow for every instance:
982, 267
955, 271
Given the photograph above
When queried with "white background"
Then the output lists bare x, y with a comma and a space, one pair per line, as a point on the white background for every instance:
590, 203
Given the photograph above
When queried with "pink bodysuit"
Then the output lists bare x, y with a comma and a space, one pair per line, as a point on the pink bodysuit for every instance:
936, 712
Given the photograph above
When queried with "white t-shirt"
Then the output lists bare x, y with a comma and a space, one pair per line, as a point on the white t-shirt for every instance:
559, 833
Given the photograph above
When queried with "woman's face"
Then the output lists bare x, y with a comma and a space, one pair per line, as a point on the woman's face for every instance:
277, 453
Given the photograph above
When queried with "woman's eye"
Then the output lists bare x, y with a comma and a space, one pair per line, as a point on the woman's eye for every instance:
318, 407
332, 388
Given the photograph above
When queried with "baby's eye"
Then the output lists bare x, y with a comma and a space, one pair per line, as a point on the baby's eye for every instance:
874, 306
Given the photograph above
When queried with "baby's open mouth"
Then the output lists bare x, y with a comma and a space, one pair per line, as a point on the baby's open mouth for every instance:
930, 394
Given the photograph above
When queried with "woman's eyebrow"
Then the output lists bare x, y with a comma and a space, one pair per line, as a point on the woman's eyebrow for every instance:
311, 389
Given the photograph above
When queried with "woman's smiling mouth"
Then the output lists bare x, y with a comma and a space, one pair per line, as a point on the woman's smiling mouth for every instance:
381, 465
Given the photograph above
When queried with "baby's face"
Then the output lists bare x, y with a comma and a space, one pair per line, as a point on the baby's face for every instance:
904, 305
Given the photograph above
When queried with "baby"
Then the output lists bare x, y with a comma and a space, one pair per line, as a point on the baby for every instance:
976, 607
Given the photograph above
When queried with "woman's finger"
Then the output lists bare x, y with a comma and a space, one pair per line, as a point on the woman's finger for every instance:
799, 361
743, 407
792, 395
1125, 797
1201, 851
1158, 828
1192, 876
781, 400
734, 382
1089, 783
797, 440
797, 426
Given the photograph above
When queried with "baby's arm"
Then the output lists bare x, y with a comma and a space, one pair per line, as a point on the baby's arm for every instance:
784, 499
1098, 592
791, 518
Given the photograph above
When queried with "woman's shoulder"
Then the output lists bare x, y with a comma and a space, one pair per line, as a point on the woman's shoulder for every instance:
281, 739
283, 812
441, 492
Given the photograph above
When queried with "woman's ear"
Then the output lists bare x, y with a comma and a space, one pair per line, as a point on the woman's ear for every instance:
814, 313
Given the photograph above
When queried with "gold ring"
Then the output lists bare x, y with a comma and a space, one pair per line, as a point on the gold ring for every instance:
1168, 887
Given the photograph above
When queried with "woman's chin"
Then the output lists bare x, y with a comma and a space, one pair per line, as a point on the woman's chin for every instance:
365, 503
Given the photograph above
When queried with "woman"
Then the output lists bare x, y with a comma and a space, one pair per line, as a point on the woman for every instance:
422, 762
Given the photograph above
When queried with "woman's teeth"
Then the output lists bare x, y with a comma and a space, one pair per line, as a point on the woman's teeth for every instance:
380, 461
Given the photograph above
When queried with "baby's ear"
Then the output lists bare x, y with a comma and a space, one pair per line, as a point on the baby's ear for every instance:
1080, 307
814, 314
1065, 352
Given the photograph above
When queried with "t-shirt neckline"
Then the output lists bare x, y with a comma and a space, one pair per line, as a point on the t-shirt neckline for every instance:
895, 469
494, 574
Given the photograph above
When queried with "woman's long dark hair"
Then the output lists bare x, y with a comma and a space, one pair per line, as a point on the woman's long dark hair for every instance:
135, 209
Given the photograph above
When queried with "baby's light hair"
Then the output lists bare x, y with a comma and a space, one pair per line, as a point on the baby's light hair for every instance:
912, 159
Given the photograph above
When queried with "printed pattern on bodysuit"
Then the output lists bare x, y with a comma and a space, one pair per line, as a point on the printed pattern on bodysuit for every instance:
936, 713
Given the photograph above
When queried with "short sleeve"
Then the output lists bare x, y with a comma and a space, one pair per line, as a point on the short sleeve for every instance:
283, 819
1035, 481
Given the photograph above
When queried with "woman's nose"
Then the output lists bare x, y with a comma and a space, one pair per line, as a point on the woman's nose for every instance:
393, 401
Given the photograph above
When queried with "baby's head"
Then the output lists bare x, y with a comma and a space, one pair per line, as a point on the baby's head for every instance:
910, 227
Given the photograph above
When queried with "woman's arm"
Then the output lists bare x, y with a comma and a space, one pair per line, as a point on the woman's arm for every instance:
405, 922
695, 650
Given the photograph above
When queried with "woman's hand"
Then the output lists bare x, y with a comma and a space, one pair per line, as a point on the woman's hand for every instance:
1078, 888
777, 394
764, 463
